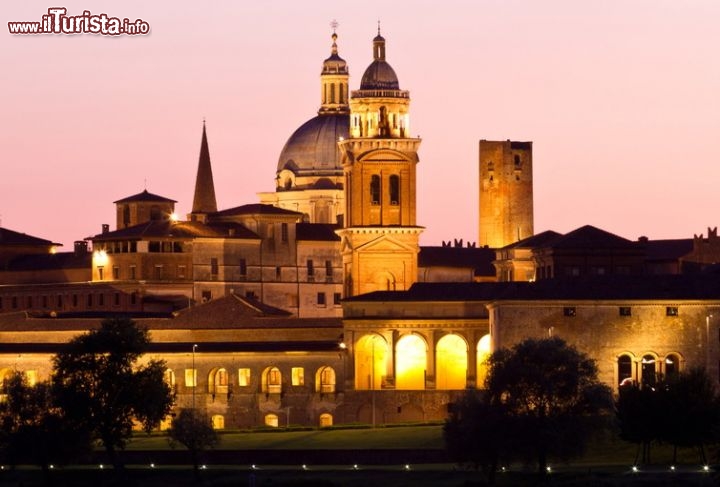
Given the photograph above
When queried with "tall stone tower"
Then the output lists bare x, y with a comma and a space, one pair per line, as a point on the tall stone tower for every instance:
380, 238
506, 192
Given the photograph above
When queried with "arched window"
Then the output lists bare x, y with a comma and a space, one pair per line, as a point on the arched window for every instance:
625, 372
648, 370
218, 421
218, 381
272, 380
672, 365
452, 360
325, 380
271, 420
483, 354
411, 363
326, 420
371, 354
126, 215
375, 190
394, 190
518, 163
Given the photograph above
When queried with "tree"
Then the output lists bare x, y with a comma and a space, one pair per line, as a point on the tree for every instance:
479, 432
33, 429
99, 385
549, 391
194, 431
680, 410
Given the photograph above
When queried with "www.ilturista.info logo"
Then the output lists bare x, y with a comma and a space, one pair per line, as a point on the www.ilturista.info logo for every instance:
58, 22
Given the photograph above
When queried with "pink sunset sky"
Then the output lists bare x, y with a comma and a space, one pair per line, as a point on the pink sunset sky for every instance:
620, 98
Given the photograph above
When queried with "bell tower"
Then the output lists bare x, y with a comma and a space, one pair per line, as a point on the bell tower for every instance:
380, 238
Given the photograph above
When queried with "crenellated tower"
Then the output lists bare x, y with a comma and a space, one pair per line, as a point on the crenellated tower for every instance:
380, 238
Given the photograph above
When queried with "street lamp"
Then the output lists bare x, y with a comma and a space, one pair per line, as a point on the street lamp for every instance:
194, 377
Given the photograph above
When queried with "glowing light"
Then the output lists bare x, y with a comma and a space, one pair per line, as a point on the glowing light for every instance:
51, 466
254, 467
100, 466
204, 467
174, 217
342, 345
407, 467
152, 465
549, 469
304, 467
451, 363
356, 466
634, 468
672, 468
411, 363
706, 468
100, 258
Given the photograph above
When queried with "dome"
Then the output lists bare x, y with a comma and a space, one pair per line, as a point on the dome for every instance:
379, 76
334, 64
312, 148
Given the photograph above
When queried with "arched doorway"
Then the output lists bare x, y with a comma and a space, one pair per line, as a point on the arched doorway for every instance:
484, 350
451, 362
411, 363
371, 353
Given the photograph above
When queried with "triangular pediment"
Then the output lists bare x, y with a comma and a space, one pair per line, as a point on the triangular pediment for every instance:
386, 243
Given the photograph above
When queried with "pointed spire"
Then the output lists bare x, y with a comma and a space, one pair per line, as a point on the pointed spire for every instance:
379, 46
204, 201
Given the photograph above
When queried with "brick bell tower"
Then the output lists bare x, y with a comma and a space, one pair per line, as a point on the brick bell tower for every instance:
380, 238
506, 192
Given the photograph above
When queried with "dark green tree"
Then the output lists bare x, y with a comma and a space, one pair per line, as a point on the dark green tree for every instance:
33, 430
479, 433
194, 431
681, 410
99, 384
550, 392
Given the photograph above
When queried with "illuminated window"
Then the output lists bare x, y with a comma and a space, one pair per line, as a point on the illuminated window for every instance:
298, 376
243, 377
218, 421
190, 377
31, 377
326, 420
671, 311
271, 420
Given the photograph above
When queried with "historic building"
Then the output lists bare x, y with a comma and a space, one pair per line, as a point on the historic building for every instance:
318, 306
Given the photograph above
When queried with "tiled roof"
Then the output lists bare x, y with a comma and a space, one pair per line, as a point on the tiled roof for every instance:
145, 196
538, 240
589, 236
317, 231
479, 259
667, 249
10, 237
62, 260
255, 209
619, 288
187, 229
